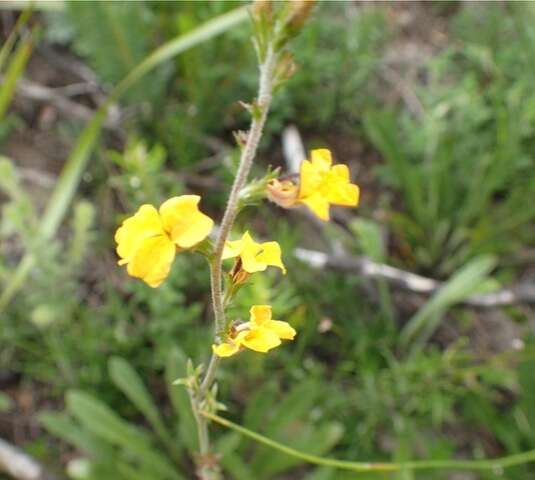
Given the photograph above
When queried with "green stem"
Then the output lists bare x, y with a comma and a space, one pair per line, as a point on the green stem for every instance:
248, 154
209, 377
485, 464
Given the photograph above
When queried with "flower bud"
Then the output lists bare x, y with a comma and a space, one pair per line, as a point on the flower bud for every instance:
262, 9
299, 12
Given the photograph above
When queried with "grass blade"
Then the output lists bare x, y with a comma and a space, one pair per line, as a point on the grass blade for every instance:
461, 285
129, 382
14, 70
10, 41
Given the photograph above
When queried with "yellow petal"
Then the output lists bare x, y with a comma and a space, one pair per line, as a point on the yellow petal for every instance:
183, 221
199, 228
225, 349
260, 314
318, 204
345, 194
309, 179
259, 339
145, 223
271, 255
341, 171
250, 262
283, 329
152, 260
232, 248
321, 159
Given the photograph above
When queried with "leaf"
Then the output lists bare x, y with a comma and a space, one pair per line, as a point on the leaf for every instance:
470, 279
314, 439
370, 238
100, 420
14, 70
61, 425
128, 381
12, 38
177, 368
75, 165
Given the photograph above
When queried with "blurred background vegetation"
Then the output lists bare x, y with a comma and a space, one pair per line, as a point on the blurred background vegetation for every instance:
432, 106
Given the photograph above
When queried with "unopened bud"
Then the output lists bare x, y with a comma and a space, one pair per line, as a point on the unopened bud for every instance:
262, 9
300, 11
285, 67
241, 138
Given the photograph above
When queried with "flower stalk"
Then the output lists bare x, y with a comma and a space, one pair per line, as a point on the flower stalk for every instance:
259, 113
248, 154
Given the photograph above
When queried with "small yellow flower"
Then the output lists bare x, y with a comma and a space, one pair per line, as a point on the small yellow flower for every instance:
148, 241
322, 184
260, 333
254, 257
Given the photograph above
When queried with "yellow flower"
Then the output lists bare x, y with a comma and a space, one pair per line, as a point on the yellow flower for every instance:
148, 241
322, 184
260, 333
254, 257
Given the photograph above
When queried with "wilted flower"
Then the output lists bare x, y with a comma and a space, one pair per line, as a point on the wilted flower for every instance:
260, 333
283, 192
148, 241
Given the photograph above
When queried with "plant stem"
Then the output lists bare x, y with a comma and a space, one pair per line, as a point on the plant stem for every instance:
484, 464
209, 377
248, 153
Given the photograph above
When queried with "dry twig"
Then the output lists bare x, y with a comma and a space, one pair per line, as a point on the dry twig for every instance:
19, 465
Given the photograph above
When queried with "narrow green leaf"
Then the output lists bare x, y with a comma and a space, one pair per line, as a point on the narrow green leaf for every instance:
63, 427
99, 419
177, 368
14, 70
466, 282
128, 381
370, 238
10, 41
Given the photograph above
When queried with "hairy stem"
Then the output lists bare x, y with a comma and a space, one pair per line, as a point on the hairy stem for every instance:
210, 374
248, 154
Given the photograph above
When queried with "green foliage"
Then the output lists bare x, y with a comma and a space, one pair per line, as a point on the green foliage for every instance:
472, 279
14, 69
115, 447
464, 166
347, 386
115, 37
